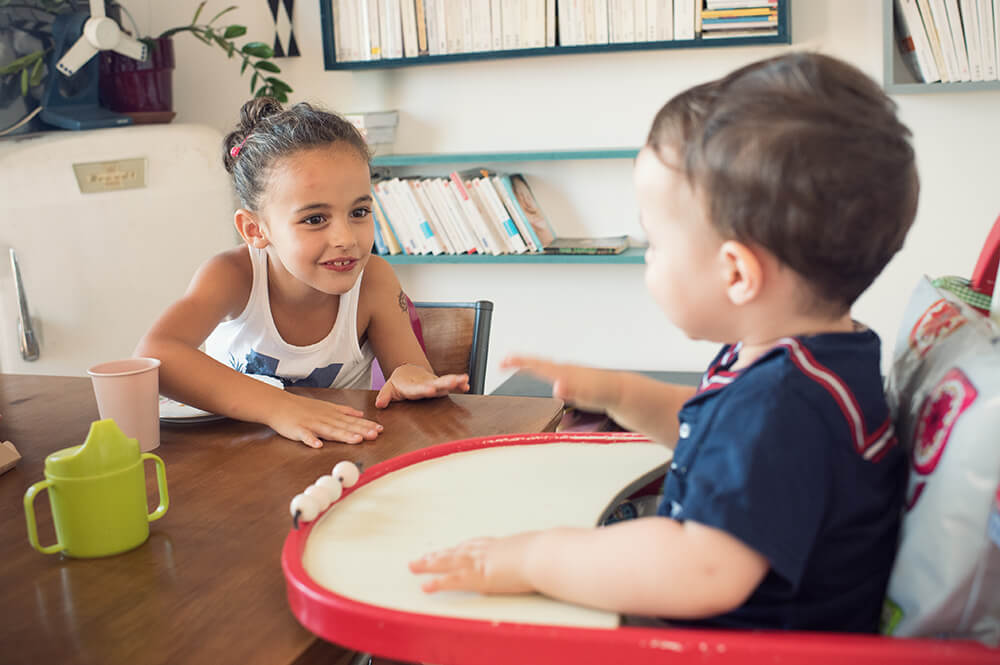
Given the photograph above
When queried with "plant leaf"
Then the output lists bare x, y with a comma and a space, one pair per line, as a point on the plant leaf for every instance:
21, 63
261, 93
278, 84
24, 82
258, 50
234, 31
268, 66
222, 13
243, 67
253, 81
197, 12
36, 73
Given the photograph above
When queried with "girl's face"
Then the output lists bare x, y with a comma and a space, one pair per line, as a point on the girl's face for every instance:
317, 208
683, 273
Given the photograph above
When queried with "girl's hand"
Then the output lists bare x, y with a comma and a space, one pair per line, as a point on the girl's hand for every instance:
585, 387
486, 565
415, 382
310, 420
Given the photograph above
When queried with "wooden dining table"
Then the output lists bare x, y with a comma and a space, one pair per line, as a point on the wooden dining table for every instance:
207, 586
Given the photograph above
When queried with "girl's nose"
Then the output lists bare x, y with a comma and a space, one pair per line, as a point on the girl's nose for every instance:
342, 234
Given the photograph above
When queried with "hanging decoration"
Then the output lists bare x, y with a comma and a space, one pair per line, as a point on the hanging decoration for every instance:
284, 38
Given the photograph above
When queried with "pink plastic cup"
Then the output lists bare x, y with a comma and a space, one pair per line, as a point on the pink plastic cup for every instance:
128, 392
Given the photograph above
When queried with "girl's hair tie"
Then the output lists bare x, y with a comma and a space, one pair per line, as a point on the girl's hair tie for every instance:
235, 150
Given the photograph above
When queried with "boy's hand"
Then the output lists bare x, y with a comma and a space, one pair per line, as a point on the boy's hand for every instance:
486, 565
309, 420
585, 387
415, 382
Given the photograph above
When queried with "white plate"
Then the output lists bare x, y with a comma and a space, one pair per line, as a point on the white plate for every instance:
172, 411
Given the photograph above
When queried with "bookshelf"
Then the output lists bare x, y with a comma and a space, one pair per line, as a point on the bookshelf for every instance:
384, 164
897, 77
330, 63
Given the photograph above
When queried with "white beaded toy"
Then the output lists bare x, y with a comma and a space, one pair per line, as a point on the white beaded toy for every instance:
320, 495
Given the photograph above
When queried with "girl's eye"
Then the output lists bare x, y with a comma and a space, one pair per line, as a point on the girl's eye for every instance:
314, 220
361, 213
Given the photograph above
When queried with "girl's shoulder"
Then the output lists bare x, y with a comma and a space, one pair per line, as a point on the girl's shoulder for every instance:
225, 279
230, 267
380, 289
378, 277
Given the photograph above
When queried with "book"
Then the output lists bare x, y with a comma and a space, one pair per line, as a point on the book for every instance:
395, 219
520, 221
388, 236
524, 201
987, 40
500, 214
684, 13
605, 245
948, 9
970, 23
930, 28
380, 247
912, 39
441, 199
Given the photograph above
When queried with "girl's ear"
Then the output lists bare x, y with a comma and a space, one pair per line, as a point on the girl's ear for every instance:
250, 229
742, 272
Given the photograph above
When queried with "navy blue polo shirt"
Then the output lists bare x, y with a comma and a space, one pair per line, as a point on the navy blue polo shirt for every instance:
796, 456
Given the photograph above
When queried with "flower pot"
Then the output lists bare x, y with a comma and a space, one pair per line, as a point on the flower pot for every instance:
140, 90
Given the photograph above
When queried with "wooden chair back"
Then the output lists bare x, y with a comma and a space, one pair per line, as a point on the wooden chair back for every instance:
456, 338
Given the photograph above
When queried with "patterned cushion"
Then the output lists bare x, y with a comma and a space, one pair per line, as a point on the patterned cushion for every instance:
944, 388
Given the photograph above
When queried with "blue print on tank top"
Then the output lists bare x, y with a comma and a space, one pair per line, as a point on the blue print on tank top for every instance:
321, 377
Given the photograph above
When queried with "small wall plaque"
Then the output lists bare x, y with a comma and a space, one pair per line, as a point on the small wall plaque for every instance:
92, 177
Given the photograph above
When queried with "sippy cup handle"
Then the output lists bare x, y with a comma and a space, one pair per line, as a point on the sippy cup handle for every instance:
29, 515
161, 483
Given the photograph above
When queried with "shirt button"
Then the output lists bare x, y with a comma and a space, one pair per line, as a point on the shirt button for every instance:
685, 430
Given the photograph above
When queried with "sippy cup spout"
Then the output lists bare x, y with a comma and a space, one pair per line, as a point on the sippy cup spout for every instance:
105, 450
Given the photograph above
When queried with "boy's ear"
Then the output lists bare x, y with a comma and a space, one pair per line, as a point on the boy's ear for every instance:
742, 272
250, 229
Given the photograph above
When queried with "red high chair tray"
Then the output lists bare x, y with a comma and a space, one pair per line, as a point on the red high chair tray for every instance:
427, 638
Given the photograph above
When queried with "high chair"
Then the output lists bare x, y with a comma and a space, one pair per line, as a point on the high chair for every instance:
943, 600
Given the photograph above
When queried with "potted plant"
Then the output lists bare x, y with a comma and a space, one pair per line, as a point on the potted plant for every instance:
141, 89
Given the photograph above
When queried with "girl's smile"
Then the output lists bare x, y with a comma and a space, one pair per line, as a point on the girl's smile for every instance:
345, 264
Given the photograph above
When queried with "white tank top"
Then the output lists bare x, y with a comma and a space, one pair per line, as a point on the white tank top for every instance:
251, 343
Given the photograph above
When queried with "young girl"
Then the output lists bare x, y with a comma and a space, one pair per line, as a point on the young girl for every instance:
303, 300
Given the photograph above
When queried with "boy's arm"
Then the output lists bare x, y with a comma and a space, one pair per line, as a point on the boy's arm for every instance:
636, 402
217, 290
653, 566
409, 374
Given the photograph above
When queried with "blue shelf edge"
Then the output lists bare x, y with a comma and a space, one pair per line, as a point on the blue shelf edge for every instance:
517, 156
633, 255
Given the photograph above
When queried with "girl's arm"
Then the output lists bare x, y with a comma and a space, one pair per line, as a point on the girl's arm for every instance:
636, 402
221, 288
652, 566
391, 335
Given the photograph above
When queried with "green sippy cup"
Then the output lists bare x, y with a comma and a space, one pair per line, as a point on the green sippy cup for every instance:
98, 495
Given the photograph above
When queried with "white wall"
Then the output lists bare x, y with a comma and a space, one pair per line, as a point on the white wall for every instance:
600, 314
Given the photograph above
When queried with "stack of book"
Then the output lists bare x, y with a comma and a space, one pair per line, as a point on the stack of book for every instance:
949, 40
366, 30
470, 212
722, 19
378, 128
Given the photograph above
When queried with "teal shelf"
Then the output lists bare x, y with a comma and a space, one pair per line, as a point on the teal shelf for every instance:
632, 255
784, 36
485, 157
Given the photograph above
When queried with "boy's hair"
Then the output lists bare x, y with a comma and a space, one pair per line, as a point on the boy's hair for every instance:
267, 132
802, 155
